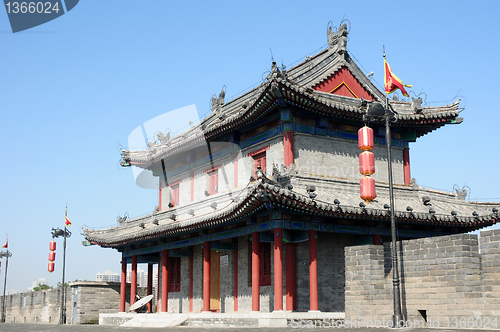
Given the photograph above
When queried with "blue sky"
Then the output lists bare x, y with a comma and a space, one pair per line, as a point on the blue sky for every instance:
73, 89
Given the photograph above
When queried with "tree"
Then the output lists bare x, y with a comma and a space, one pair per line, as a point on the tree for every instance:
41, 287
59, 284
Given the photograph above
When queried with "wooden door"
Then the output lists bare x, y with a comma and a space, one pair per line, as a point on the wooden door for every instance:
214, 280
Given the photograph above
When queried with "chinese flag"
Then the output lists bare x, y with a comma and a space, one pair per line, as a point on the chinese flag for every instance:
392, 82
66, 220
6, 242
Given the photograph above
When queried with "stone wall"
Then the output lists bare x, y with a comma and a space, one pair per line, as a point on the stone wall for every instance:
327, 157
445, 280
88, 297
226, 174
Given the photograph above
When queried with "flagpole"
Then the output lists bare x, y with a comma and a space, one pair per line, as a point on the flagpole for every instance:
5, 285
395, 274
62, 319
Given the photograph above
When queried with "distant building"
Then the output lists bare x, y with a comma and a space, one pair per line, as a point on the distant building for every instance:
40, 281
107, 276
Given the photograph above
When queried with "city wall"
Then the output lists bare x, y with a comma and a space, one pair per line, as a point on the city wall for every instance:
445, 280
84, 301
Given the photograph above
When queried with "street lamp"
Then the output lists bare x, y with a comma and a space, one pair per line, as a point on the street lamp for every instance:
56, 232
377, 111
6, 254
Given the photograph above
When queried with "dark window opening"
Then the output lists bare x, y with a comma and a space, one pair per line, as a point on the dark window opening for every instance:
265, 264
174, 274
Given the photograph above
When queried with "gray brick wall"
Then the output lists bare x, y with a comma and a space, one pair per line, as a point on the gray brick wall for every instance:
445, 277
44, 306
339, 158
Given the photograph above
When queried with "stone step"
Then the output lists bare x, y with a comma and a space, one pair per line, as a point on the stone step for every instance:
156, 320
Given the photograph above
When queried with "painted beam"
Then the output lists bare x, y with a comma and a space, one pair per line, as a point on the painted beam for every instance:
285, 224
228, 246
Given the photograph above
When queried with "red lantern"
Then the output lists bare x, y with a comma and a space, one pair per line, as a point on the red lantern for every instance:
367, 185
51, 267
52, 256
52, 245
367, 163
365, 138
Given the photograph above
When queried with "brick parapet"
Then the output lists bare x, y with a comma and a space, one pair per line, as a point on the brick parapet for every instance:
442, 277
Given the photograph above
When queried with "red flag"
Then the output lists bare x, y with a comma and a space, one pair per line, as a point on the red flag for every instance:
6, 242
392, 82
66, 220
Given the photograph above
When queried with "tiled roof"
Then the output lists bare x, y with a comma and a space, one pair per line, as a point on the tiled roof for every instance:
191, 217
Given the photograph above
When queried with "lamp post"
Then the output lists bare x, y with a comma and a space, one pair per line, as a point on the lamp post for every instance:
6, 254
56, 232
378, 111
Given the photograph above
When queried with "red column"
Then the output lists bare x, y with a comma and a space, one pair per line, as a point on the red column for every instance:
290, 276
288, 147
191, 259
206, 276
278, 269
236, 169
192, 185
123, 284
255, 271
313, 271
133, 280
158, 287
236, 280
150, 285
164, 280
159, 197
377, 239
406, 165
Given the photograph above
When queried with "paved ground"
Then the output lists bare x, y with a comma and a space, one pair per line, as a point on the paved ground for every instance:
7, 327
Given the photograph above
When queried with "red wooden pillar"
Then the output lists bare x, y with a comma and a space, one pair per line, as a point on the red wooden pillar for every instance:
288, 147
313, 271
158, 287
206, 276
255, 271
278, 269
236, 280
123, 284
164, 280
406, 165
236, 169
377, 239
150, 285
192, 185
159, 197
290, 276
191, 259
133, 280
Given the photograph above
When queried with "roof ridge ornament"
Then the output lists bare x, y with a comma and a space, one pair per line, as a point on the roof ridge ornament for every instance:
463, 193
337, 38
217, 102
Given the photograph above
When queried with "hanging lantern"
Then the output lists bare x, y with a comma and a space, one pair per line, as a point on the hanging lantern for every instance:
51, 267
365, 138
366, 163
367, 185
52, 245
52, 256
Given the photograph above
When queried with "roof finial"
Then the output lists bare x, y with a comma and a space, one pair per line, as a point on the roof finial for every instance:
272, 57
338, 37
